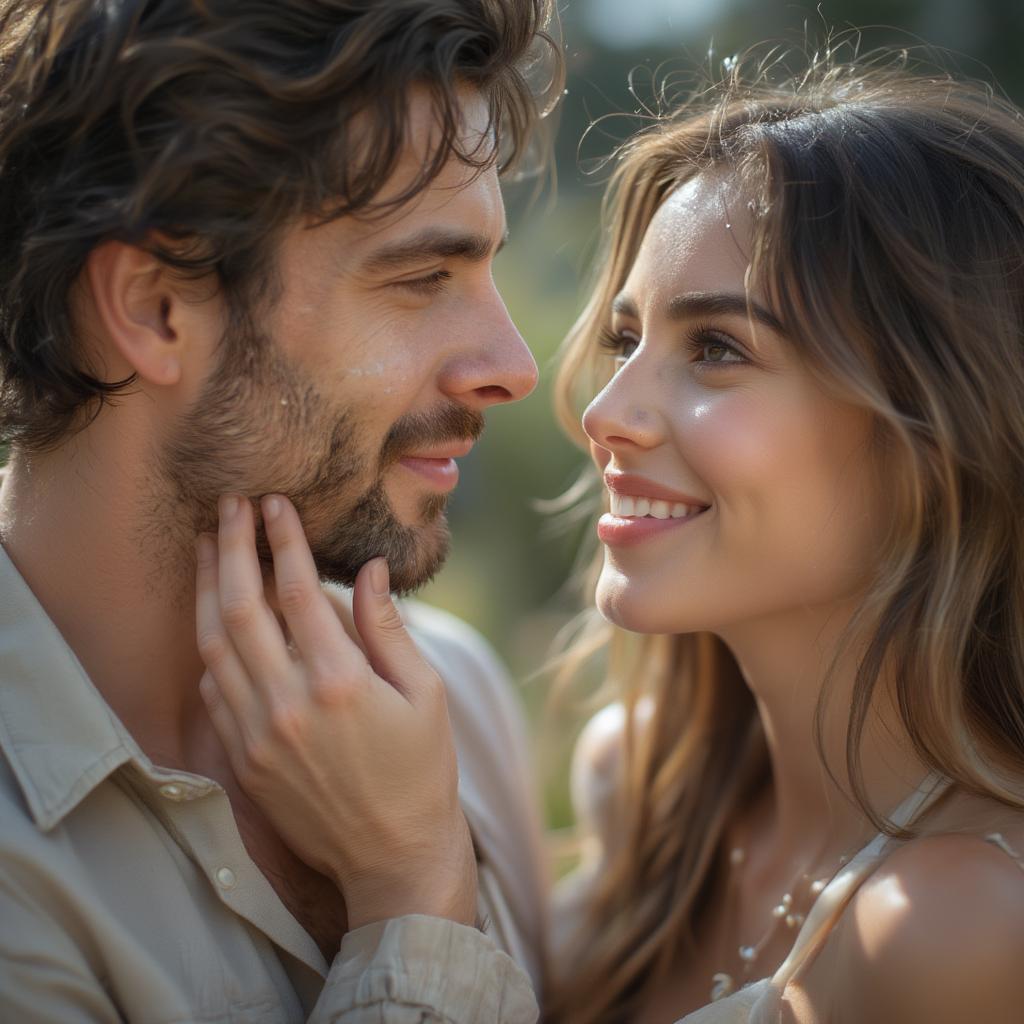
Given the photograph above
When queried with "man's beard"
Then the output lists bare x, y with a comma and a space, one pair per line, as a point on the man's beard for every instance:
261, 426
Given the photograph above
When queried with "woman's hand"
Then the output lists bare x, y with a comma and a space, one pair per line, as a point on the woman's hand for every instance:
348, 754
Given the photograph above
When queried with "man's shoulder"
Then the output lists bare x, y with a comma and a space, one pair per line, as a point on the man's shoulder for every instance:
483, 704
469, 666
496, 782
26, 851
482, 701
15, 817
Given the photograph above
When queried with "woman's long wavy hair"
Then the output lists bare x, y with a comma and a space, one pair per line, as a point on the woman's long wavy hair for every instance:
889, 238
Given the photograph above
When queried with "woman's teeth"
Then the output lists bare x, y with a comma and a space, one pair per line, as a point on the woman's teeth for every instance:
629, 508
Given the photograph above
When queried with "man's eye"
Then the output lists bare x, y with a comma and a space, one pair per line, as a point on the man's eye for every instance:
431, 284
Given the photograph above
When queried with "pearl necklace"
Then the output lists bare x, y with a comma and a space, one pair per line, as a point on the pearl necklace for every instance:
723, 983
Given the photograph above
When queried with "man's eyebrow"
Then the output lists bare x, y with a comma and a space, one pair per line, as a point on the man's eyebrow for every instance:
694, 304
432, 244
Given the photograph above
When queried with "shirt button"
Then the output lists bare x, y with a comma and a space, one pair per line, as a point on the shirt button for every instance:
172, 791
226, 878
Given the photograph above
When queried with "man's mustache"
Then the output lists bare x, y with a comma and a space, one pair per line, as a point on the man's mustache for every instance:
416, 431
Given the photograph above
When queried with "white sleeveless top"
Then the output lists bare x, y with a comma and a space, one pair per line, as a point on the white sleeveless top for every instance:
594, 766
760, 1002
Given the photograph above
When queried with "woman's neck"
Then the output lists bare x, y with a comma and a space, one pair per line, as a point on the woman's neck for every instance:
786, 663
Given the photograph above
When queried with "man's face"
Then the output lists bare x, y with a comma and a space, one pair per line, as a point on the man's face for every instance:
367, 377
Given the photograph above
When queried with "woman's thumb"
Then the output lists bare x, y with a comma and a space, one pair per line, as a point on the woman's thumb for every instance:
389, 648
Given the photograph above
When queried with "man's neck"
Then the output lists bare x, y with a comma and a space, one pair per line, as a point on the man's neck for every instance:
72, 524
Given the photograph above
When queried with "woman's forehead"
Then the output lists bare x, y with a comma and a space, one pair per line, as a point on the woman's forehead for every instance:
698, 239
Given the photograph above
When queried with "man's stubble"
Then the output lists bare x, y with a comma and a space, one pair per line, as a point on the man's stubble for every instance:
262, 426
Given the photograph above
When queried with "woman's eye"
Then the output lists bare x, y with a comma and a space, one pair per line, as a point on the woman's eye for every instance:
621, 344
715, 349
716, 352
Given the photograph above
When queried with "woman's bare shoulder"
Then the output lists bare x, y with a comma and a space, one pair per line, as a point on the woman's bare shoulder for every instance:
937, 934
598, 762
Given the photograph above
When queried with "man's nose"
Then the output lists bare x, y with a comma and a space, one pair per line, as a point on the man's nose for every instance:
497, 366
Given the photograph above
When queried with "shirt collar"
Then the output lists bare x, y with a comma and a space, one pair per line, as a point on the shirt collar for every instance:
57, 732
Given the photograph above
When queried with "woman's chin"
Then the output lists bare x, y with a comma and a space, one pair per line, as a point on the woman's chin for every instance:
628, 606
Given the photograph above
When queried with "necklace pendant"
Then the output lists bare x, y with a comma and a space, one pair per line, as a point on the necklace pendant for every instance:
748, 954
722, 985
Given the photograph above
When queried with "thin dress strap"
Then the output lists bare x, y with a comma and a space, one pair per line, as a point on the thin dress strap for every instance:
997, 839
835, 897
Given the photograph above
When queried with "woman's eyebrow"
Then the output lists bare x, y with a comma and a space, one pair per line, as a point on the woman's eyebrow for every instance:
695, 304
625, 306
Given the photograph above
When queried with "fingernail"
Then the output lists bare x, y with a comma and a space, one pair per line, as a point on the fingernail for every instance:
271, 506
229, 505
206, 550
379, 577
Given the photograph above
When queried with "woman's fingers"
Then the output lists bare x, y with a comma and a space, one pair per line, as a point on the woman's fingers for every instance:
247, 619
344, 765
321, 639
225, 720
390, 649
218, 653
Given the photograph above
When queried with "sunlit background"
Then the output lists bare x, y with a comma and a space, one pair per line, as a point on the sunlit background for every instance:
507, 573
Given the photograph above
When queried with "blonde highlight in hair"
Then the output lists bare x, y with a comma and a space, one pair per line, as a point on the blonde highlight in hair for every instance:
889, 238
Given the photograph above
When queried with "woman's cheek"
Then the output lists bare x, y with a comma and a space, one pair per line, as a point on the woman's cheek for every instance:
731, 443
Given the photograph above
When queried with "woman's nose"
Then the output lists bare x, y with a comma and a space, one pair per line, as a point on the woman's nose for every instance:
623, 414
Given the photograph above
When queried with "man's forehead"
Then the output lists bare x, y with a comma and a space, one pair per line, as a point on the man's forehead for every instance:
460, 211
423, 125
424, 133
459, 202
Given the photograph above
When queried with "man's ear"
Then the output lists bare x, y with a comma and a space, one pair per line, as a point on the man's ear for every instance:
139, 309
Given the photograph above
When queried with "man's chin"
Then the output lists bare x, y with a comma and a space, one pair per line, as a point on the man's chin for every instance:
414, 557
423, 514
409, 578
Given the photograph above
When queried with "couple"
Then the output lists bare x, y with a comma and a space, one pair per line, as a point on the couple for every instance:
248, 322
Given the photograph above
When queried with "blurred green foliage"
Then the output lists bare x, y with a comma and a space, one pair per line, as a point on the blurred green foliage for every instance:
507, 574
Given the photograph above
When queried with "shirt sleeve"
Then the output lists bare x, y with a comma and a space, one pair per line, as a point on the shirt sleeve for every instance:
423, 970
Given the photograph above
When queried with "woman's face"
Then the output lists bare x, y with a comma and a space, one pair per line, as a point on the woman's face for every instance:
741, 490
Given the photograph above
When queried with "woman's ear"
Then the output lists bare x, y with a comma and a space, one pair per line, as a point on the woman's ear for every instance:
139, 310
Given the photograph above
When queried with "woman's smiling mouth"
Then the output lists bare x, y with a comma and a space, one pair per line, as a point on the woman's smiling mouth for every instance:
627, 507
640, 509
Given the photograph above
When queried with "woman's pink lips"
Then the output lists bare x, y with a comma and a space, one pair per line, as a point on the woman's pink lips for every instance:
633, 485
442, 474
622, 531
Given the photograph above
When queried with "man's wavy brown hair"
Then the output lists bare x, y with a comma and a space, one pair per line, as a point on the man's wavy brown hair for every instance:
202, 128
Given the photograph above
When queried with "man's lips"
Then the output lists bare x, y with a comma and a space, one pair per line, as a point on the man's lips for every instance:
447, 450
437, 465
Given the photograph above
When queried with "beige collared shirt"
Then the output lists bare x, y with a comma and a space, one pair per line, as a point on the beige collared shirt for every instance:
126, 893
